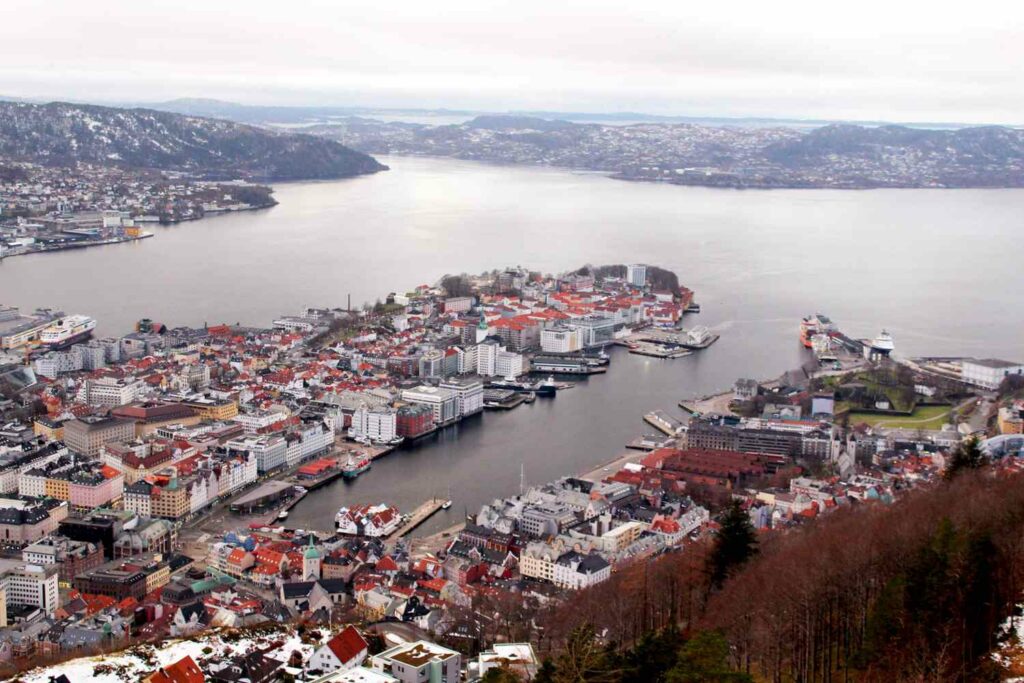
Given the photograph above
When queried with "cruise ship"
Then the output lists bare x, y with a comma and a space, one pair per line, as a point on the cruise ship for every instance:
67, 331
882, 345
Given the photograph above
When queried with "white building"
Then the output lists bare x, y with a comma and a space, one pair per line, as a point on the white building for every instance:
466, 359
519, 658
509, 364
458, 304
987, 373
270, 452
376, 423
360, 674
636, 275
576, 571
494, 360
469, 395
344, 652
257, 420
110, 391
420, 661
314, 438
560, 340
442, 401
31, 584
55, 363
486, 357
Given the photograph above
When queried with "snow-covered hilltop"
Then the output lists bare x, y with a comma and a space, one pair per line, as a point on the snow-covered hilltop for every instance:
62, 134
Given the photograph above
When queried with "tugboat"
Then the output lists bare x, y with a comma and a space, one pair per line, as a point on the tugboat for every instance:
547, 388
355, 466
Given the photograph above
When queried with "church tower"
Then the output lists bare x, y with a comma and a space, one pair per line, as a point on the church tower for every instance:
311, 562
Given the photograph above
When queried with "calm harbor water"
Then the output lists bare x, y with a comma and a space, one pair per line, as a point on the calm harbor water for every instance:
937, 268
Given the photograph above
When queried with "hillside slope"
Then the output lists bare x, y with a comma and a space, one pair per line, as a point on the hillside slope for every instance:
61, 134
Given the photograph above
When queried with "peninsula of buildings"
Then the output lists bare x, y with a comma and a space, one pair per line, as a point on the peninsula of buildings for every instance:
145, 480
48, 209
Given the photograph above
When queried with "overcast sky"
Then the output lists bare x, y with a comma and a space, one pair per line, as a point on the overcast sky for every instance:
891, 60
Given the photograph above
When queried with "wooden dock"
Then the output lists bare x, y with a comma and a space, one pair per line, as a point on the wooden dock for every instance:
419, 515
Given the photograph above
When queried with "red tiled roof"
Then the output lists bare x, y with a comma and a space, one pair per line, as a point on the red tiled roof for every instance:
347, 645
184, 670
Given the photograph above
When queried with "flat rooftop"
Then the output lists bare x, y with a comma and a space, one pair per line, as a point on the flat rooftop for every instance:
993, 363
267, 489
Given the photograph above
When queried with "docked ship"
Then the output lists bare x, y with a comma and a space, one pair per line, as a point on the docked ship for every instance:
822, 346
355, 466
67, 331
512, 384
880, 346
547, 388
812, 325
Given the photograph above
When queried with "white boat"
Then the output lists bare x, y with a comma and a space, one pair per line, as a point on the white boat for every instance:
446, 505
67, 330
882, 345
283, 514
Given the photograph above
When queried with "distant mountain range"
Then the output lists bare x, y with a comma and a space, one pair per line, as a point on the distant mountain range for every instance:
832, 156
269, 114
60, 133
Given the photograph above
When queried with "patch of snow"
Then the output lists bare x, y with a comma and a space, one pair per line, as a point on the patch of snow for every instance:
134, 663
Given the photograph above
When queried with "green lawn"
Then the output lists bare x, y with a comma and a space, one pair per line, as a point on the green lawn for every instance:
925, 417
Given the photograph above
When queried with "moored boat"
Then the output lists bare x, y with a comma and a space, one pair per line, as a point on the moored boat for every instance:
67, 331
355, 466
547, 388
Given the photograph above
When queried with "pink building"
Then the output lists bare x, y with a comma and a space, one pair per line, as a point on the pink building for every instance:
100, 487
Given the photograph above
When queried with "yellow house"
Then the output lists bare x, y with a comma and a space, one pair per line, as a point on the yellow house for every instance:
213, 409
1010, 421
48, 428
57, 488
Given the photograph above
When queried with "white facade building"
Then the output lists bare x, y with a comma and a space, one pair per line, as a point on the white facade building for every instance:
636, 275
560, 340
255, 421
110, 391
56, 362
469, 395
987, 373
420, 661
376, 423
442, 401
32, 584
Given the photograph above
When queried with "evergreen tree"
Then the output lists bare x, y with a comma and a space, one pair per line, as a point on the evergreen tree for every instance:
705, 659
965, 457
546, 673
652, 657
500, 675
736, 543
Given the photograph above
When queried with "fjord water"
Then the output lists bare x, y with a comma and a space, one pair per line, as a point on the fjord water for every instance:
940, 269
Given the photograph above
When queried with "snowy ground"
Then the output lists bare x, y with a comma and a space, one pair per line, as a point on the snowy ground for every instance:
1010, 653
135, 662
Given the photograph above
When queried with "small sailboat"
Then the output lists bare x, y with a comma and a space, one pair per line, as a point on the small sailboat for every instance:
447, 501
